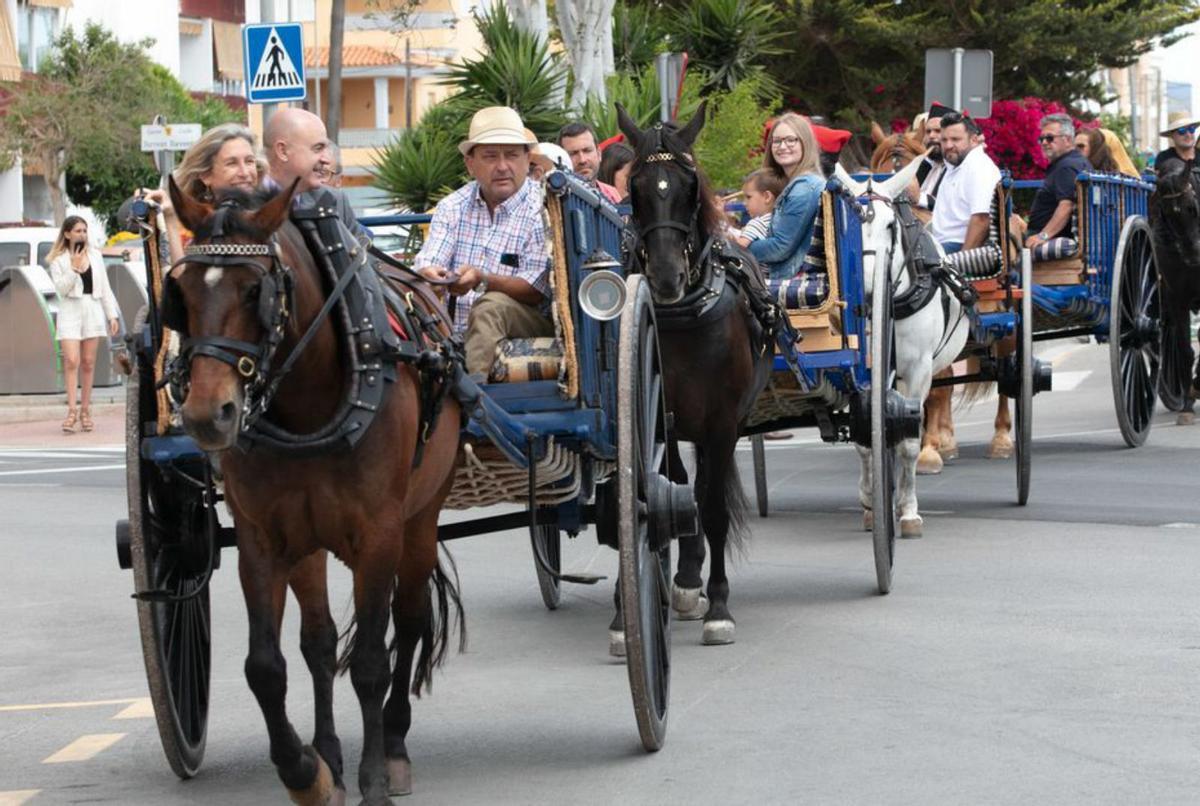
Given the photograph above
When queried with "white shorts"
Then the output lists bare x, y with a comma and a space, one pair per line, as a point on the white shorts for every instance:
80, 318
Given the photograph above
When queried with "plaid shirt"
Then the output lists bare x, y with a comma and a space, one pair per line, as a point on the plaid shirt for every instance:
511, 243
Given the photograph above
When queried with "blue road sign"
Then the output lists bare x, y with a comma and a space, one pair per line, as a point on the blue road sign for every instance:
274, 56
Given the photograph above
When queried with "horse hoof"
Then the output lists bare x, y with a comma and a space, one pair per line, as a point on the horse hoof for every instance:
1001, 448
911, 527
399, 776
929, 463
718, 632
948, 452
321, 791
1186, 418
689, 604
868, 520
616, 643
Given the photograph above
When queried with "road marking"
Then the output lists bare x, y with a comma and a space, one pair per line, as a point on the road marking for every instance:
15, 797
1067, 381
84, 748
72, 453
45, 470
1180, 525
139, 709
49, 706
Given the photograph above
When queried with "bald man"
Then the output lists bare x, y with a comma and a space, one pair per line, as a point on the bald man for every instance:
298, 147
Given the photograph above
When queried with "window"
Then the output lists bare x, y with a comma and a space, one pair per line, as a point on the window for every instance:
44, 249
36, 29
14, 254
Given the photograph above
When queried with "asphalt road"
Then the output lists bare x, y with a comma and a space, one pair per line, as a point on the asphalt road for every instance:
1044, 654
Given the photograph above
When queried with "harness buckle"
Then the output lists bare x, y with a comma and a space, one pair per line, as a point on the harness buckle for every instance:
246, 366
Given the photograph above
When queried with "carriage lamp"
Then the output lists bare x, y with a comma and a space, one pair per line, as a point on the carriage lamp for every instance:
602, 295
600, 259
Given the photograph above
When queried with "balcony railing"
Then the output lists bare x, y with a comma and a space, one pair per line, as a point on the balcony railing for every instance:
366, 138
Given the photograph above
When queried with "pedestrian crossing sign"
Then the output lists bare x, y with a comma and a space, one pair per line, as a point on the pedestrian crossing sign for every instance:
274, 56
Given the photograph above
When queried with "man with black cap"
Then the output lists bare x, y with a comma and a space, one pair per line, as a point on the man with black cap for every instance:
933, 166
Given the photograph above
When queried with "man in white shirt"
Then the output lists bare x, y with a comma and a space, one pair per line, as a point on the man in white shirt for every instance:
964, 201
924, 188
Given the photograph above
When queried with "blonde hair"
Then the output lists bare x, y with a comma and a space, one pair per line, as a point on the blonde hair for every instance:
199, 158
810, 154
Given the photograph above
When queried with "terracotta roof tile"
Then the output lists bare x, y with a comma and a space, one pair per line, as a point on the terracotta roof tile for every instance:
363, 56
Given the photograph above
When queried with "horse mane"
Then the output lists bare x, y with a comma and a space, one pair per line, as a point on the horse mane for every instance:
905, 143
711, 215
242, 202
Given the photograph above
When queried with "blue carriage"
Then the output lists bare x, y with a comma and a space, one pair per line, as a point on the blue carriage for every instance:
571, 427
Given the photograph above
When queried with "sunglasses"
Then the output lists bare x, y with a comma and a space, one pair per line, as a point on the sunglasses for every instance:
1049, 138
1182, 130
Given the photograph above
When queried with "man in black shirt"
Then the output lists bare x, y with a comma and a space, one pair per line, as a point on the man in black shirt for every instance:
1181, 131
1050, 216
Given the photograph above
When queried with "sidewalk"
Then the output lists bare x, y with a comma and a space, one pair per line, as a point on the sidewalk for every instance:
35, 420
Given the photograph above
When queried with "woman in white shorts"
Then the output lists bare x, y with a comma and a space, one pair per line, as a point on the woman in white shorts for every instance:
87, 312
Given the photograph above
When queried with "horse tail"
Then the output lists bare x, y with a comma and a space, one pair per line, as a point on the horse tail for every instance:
435, 637
974, 392
736, 506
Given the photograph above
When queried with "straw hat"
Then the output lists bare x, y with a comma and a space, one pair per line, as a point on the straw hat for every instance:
1178, 120
496, 126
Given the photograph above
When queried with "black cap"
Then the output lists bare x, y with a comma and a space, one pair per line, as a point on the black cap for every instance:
937, 110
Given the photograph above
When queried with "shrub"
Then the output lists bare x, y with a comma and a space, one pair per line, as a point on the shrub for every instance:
729, 145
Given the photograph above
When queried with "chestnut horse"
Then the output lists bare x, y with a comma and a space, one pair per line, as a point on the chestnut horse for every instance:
370, 505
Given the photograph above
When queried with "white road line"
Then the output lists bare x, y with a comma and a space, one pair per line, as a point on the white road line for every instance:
51, 706
15, 797
45, 470
1180, 525
84, 748
1067, 381
139, 709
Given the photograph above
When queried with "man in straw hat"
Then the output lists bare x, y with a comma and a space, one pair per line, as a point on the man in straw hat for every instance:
1181, 131
488, 238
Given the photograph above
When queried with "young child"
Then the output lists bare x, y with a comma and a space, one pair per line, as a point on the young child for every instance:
760, 190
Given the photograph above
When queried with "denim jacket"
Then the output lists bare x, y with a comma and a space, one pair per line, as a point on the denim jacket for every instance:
782, 252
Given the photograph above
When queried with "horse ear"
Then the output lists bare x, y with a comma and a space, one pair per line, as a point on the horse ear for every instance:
877, 135
271, 215
896, 184
840, 174
689, 132
627, 126
190, 212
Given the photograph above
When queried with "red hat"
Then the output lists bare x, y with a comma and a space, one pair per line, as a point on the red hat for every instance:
616, 138
831, 141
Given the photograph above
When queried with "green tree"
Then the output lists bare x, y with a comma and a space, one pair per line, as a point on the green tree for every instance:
860, 60
729, 40
730, 144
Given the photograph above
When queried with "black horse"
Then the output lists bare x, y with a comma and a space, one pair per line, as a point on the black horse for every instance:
716, 355
1175, 227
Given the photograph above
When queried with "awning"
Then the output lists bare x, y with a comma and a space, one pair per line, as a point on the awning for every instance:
51, 3
227, 43
10, 63
189, 27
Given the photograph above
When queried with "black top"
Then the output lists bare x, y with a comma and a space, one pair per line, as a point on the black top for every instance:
1059, 184
87, 281
1172, 154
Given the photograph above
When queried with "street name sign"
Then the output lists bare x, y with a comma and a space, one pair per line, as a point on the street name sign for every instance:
173, 137
274, 56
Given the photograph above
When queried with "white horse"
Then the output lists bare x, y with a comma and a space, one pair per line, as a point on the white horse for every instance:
926, 342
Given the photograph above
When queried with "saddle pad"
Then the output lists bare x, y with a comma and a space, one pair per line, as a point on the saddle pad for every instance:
520, 360
805, 291
1055, 249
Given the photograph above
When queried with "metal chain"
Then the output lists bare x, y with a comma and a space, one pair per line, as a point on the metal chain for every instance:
222, 249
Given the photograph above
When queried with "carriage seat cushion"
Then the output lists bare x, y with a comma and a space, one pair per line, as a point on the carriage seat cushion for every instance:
980, 263
1055, 249
808, 290
520, 360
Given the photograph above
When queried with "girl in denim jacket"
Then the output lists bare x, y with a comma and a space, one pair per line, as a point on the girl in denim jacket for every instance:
791, 153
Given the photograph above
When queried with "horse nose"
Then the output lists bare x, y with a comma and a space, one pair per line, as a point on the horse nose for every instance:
214, 427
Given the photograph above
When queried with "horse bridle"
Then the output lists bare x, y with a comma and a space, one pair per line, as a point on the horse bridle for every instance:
252, 361
662, 154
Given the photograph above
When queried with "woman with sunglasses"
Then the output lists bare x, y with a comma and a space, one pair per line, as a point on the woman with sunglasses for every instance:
1181, 131
791, 155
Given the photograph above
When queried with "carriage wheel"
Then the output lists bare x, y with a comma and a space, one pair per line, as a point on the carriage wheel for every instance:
1023, 449
760, 473
645, 574
1134, 341
886, 520
548, 541
176, 638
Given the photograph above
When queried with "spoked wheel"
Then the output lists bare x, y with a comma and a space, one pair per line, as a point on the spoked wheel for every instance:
548, 541
1023, 449
760, 473
885, 518
176, 638
1135, 345
645, 553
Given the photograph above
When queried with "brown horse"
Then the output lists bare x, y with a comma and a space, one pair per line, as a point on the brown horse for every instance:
893, 151
370, 505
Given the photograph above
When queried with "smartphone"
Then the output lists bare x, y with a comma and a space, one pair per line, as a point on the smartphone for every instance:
79, 247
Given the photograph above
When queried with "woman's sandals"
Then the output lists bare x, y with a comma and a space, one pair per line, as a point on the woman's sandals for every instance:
85, 420
68, 425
